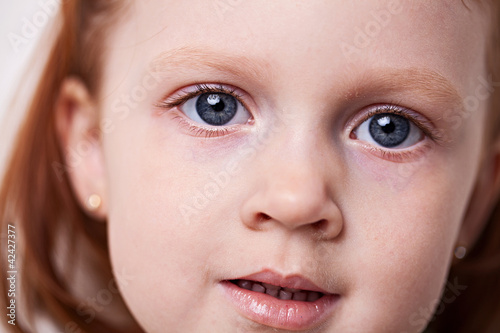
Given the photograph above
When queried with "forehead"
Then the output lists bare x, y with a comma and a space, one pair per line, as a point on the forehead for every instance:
314, 40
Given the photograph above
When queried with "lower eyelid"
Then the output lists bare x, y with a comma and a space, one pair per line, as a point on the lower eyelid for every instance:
404, 155
199, 130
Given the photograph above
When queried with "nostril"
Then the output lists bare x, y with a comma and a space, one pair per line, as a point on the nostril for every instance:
327, 229
264, 217
321, 225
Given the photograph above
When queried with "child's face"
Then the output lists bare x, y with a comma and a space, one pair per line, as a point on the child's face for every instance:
304, 178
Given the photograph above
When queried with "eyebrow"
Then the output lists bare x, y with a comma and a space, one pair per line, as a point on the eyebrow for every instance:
422, 82
191, 58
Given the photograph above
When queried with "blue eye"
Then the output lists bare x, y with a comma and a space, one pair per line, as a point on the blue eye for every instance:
389, 131
215, 109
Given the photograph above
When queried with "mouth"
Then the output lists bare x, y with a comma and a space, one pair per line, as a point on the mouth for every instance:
279, 292
290, 303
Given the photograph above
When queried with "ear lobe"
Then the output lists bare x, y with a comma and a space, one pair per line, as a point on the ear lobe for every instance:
484, 197
77, 127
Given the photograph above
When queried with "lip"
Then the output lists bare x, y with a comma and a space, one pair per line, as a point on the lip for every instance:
277, 313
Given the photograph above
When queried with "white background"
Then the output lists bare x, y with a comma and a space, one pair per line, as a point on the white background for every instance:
15, 62
12, 13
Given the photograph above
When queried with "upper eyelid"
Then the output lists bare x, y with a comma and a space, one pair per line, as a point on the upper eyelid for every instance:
181, 95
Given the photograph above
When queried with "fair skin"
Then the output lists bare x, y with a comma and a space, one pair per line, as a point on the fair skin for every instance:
303, 190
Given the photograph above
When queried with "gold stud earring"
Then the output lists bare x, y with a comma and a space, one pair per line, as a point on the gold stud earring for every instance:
460, 252
94, 202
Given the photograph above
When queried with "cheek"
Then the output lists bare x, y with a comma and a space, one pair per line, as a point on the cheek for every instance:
164, 215
402, 221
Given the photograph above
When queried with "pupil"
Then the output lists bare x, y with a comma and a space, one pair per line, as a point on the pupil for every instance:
389, 128
219, 106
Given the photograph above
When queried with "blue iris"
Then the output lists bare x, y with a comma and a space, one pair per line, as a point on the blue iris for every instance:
216, 109
389, 130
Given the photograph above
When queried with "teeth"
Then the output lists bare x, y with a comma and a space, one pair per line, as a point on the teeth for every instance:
245, 284
258, 288
286, 295
299, 296
271, 286
272, 292
313, 296
279, 292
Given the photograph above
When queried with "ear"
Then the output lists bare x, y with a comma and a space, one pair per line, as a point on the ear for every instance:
77, 122
484, 197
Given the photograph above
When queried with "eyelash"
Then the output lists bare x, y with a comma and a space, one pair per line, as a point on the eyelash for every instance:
210, 131
398, 155
199, 129
200, 89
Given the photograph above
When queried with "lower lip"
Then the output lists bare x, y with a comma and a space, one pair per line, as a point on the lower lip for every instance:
277, 313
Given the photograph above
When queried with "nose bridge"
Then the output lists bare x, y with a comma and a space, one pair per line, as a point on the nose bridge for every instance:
294, 140
297, 153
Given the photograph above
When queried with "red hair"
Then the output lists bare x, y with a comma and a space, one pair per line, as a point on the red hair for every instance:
37, 197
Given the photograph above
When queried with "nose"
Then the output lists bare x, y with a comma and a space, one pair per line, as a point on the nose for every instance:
294, 195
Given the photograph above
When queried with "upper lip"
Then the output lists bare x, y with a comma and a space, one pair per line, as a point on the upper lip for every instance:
293, 281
